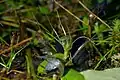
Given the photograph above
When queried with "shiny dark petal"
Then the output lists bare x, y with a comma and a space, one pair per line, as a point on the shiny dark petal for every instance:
54, 65
59, 48
80, 55
77, 43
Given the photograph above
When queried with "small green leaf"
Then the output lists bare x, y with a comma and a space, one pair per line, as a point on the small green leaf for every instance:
35, 41
102, 28
83, 28
41, 67
44, 10
73, 75
59, 56
86, 21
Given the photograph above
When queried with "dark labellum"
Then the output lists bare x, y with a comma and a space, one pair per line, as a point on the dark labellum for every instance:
80, 54
54, 65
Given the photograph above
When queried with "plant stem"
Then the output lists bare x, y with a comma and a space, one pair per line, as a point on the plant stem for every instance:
30, 68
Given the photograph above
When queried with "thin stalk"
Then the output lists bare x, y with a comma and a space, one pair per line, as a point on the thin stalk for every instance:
61, 24
30, 67
94, 14
16, 45
70, 13
105, 56
53, 28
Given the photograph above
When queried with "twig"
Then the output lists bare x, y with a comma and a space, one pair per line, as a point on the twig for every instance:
16, 45
70, 13
93, 14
